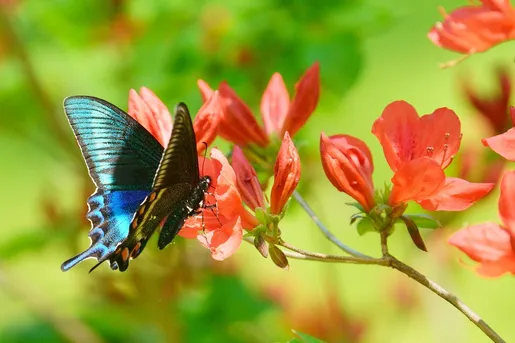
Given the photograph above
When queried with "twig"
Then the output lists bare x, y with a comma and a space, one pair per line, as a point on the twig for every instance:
388, 260
324, 229
384, 243
446, 295
334, 258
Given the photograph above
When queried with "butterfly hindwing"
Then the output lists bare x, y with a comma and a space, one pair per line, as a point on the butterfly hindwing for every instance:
122, 158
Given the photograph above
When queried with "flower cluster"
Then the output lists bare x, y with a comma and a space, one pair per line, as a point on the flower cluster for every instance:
417, 149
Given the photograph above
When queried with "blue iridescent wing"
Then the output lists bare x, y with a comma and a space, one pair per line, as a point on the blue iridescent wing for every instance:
122, 159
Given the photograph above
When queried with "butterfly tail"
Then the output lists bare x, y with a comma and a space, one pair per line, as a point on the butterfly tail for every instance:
92, 252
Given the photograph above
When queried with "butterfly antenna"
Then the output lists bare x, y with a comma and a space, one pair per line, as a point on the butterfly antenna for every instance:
205, 156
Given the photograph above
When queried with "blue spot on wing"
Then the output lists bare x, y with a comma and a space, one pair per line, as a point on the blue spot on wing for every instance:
122, 158
110, 214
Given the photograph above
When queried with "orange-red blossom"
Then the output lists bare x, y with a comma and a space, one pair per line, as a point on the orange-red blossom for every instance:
475, 28
279, 113
491, 244
417, 150
286, 178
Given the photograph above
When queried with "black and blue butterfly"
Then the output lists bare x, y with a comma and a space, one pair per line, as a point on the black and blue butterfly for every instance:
140, 185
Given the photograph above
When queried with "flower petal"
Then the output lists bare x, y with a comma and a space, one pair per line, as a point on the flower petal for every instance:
488, 244
503, 144
226, 192
286, 175
224, 241
456, 195
151, 113
307, 92
247, 180
507, 201
238, 125
274, 105
416, 180
347, 163
205, 90
397, 129
206, 122
440, 136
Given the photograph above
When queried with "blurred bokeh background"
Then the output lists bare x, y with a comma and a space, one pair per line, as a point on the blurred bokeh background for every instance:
371, 53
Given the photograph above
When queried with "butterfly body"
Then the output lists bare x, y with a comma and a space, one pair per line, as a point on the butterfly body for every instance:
169, 207
140, 185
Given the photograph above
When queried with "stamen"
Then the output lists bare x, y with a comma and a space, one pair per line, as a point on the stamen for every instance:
429, 151
445, 148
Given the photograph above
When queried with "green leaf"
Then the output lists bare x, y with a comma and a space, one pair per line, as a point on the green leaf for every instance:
424, 221
356, 216
356, 205
304, 338
414, 233
364, 226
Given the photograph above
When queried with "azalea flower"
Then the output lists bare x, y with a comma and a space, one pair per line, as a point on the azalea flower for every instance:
347, 163
259, 217
279, 113
220, 228
491, 244
286, 178
147, 109
417, 150
475, 28
504, 144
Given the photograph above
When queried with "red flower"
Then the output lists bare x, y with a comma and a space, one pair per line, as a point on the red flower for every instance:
494, 109
153, 115
286, 177
472, 29
490, 244
280, 115
220, 229
504, 144
347, 163
417, 150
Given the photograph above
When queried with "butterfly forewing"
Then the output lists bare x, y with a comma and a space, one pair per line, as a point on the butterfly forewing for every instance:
179, 163
122, 158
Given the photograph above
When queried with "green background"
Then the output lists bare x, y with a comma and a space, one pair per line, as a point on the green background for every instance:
371, 53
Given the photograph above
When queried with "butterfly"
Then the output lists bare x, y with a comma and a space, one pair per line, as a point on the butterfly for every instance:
139, 185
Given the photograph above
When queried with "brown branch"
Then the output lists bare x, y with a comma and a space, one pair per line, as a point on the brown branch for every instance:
446, 295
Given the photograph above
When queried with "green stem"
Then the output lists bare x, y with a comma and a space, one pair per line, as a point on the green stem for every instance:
328, 234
